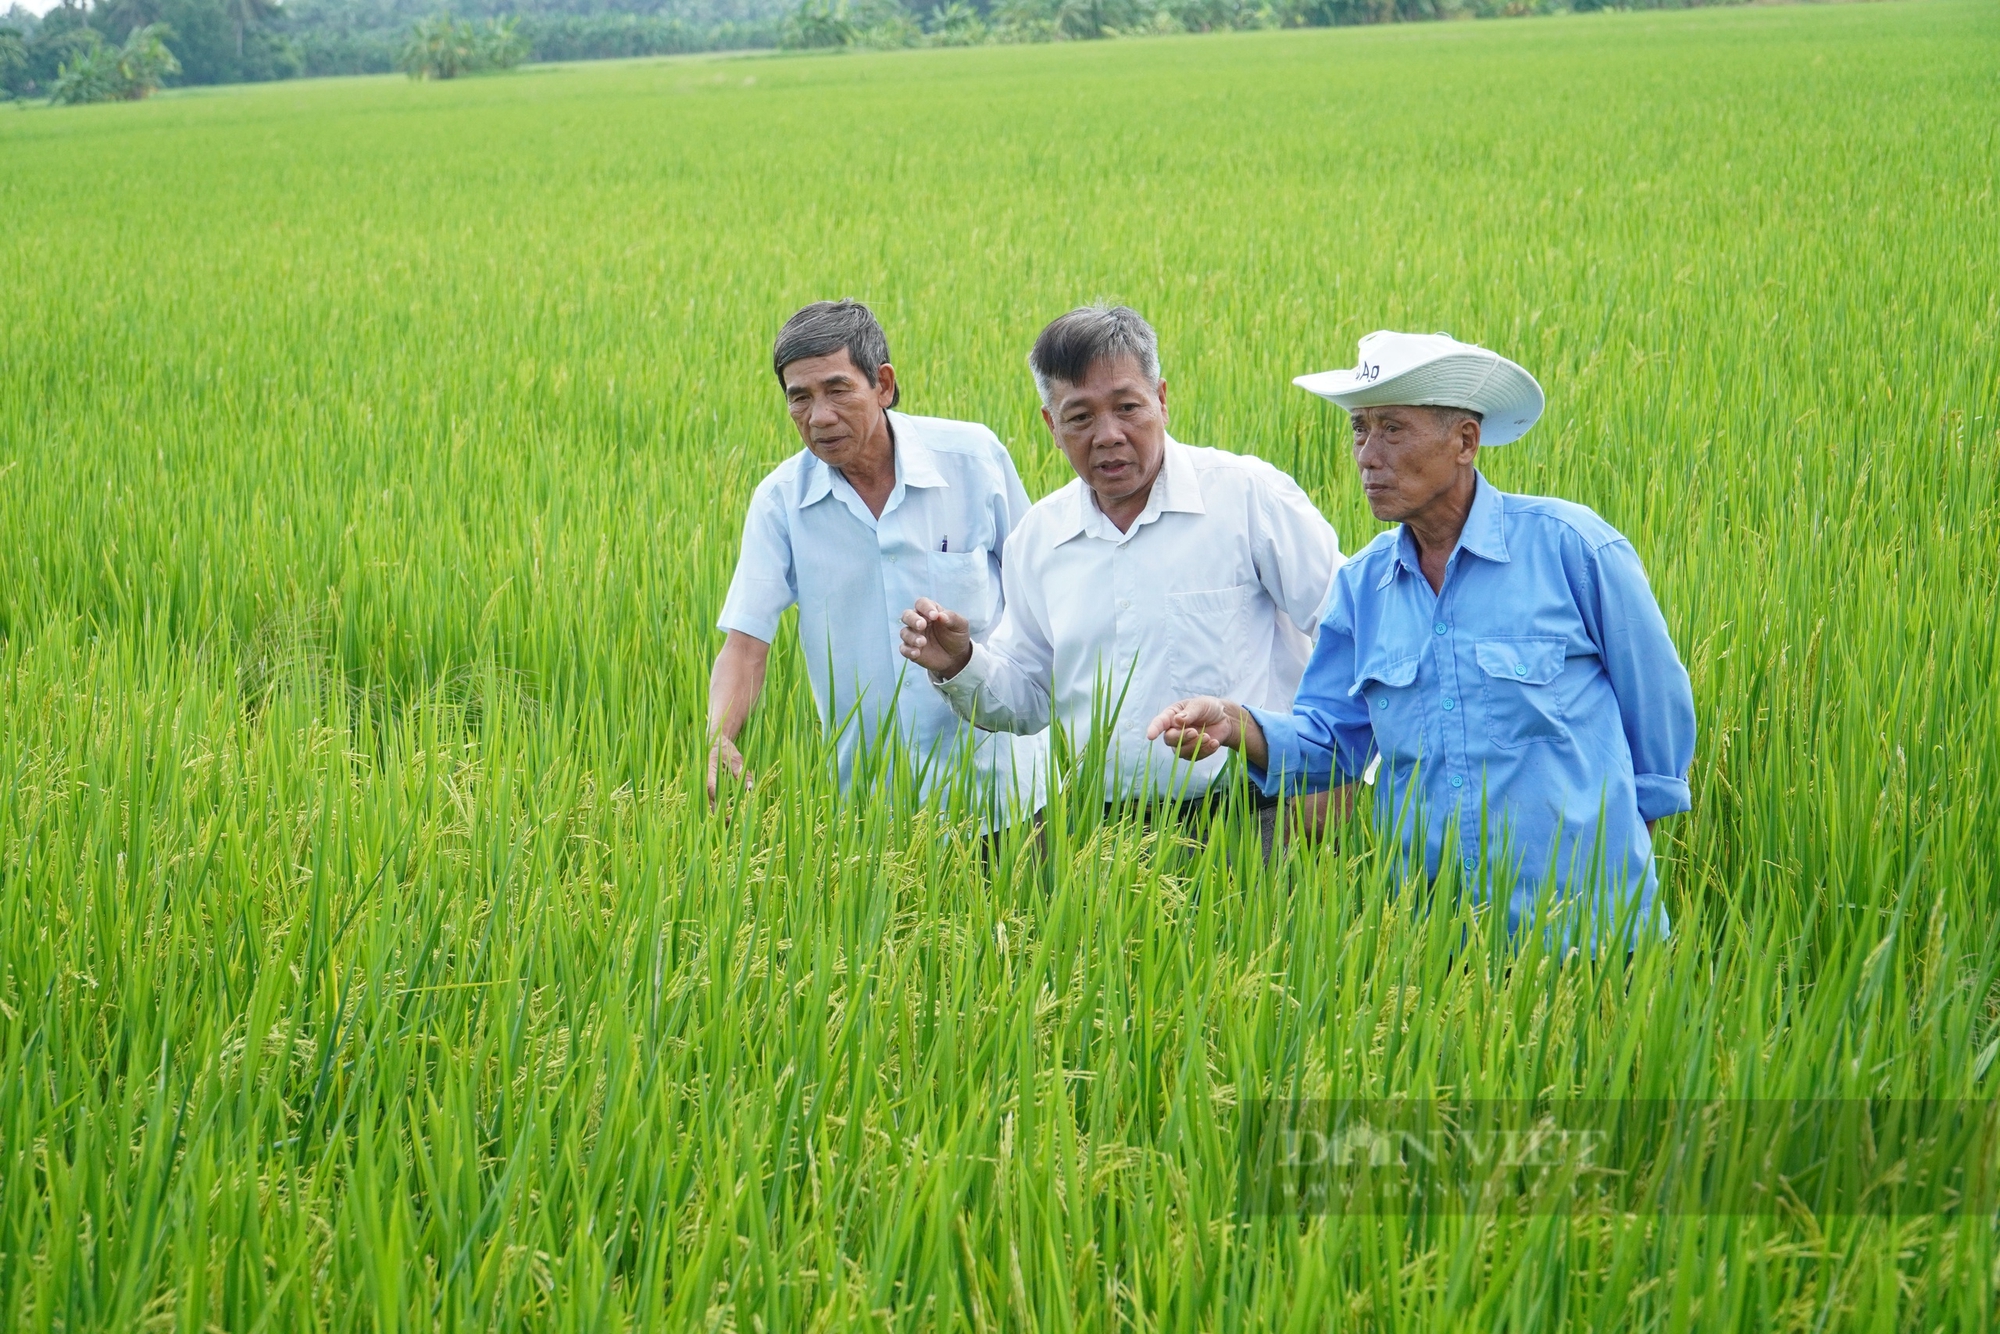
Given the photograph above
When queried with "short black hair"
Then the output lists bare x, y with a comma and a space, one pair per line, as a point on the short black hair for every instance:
824, 328
1073, 343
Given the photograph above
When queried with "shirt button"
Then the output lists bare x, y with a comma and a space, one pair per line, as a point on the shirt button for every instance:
1438, 628
1447, 704
1457, 780
1124, 604
1520, 669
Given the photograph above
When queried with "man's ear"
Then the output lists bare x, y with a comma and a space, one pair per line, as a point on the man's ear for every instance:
885, 385
1048, 419
1163, 400
1468, 440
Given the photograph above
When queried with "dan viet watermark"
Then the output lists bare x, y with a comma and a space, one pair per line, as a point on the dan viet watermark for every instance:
1892, 1157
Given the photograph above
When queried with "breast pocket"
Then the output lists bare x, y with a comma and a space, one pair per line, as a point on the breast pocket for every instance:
1522, 678
1395, 706
1205, 639
963, 582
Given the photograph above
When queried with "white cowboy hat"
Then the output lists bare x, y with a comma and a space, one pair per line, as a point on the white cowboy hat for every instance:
1435, 370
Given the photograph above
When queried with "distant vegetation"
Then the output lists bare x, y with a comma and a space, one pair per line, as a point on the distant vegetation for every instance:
442, 47
237, 41
100, 72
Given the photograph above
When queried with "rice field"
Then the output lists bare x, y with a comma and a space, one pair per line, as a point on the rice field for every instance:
372, 456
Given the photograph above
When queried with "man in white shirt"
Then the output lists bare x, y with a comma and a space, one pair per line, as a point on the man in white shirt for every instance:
879, 509
1162, 565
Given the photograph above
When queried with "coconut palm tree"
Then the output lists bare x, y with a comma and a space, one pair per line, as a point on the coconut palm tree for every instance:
439, 47
104, 73
121, 17
246, 14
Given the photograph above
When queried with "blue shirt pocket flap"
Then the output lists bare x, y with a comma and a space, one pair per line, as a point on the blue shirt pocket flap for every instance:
1397, 674
1532, 662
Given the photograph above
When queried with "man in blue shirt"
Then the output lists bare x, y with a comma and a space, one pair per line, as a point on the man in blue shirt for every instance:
878, 509
1502, 654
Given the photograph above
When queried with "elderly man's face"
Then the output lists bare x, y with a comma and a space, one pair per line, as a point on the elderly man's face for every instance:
835, 406
1411, 456
1113, 430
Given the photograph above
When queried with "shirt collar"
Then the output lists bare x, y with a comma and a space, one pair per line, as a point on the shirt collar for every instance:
815, 480
1176, 490
1484, 534
916, 465
1485, 531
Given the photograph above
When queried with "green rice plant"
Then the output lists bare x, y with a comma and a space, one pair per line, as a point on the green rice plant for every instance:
372, 455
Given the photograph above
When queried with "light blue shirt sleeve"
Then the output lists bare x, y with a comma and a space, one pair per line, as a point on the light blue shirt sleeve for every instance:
765, 583
1016, 504
1010, 506
1655, 700
1326, 739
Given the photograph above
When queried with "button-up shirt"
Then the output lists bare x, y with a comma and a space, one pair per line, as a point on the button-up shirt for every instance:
809, 539
1531, 716
1213, 590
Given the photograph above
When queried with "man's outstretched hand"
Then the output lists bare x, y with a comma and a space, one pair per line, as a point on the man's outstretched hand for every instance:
1195, 729
936, 639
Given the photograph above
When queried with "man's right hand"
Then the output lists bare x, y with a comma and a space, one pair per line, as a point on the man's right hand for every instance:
936, 639
733, 686
722, 752
1195, 729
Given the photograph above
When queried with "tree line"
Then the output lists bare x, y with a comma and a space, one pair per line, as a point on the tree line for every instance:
235, 41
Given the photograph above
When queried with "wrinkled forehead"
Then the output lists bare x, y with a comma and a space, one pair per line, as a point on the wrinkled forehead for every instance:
1107, 377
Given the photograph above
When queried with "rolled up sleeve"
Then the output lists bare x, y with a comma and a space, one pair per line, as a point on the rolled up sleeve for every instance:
1655, 699
765, 583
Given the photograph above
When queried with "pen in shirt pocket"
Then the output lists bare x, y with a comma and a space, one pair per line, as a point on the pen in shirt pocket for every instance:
944, 544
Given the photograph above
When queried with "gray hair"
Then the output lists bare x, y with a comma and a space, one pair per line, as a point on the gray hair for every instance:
825, 327
1075, 342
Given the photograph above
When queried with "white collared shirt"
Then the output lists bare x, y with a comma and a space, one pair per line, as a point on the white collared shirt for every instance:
1216, 589
809, 540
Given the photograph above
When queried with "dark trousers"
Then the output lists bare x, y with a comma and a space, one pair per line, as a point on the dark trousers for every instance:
1194, 819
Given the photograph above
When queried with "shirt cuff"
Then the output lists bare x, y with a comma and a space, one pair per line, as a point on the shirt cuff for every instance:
1281, 744
754, 606
749, 625
1660, 795
962, 691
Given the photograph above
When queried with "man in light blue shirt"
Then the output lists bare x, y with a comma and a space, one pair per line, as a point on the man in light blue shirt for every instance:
879, 509
1502, 654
